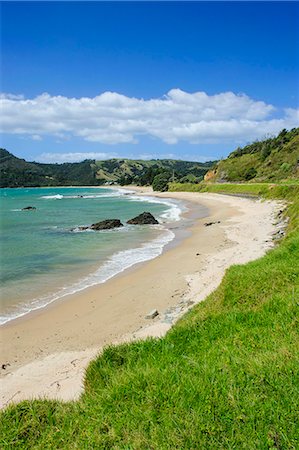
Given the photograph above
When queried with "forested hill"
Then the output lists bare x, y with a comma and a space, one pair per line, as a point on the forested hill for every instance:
269, 160
16, 172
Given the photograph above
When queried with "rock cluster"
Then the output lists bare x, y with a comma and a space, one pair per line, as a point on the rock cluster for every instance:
103, 225
146, 218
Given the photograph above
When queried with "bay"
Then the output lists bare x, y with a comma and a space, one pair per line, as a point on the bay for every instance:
43, 255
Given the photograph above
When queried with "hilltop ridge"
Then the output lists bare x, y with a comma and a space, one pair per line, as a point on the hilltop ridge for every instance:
268, 160
16, 172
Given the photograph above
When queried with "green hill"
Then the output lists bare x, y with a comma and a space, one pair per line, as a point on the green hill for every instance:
270, 160
126, 171
16, 172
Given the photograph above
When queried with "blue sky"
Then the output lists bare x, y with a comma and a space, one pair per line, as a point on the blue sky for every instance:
187, 80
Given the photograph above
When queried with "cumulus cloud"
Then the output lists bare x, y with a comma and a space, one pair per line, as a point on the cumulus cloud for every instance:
73, 156
112, 118
80, 156
12, 96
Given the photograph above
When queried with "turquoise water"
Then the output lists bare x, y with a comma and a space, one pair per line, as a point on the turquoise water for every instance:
43, 258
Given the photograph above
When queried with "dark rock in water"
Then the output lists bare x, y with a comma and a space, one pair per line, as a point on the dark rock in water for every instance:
103, 225
146, 218
29, 208
106, 224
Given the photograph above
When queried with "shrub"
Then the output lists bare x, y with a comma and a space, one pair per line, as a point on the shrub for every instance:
160, 182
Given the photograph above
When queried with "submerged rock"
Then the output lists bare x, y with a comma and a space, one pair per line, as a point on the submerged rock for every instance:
29, 208
146, 218
103, 225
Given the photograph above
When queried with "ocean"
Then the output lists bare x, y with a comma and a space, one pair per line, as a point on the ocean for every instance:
44, 256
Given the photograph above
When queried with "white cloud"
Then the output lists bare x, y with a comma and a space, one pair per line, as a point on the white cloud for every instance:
111, 118
36, 137
11, 96
147, 156
80, 156
73, 157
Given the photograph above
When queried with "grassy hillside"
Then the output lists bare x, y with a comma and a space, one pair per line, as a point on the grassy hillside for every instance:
15, 172
273, 159
225, 377
128, 171
248, 190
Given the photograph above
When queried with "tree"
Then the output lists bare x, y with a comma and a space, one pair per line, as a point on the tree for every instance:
250, 173
148, 176
125, 180
160, 182
266, 150
190, 179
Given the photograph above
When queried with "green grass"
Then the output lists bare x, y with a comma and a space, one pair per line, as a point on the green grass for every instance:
225, 377
269, 160
268, 190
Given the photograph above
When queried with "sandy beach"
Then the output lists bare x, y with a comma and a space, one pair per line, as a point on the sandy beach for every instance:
45, 353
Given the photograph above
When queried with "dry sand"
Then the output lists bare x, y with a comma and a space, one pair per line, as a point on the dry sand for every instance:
48, 350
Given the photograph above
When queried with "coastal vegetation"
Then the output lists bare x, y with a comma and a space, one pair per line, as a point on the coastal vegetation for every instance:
16, 172
268, 160
225, 376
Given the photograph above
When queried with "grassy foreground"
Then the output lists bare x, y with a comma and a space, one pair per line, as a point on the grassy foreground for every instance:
225, 377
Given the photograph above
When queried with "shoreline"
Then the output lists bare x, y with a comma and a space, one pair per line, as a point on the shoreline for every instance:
100, 272
48, 352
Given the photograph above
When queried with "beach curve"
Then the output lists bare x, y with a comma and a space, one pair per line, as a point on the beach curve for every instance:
48, 352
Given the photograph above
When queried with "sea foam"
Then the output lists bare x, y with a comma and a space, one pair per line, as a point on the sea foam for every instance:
62, 196
172, 214
116, 264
